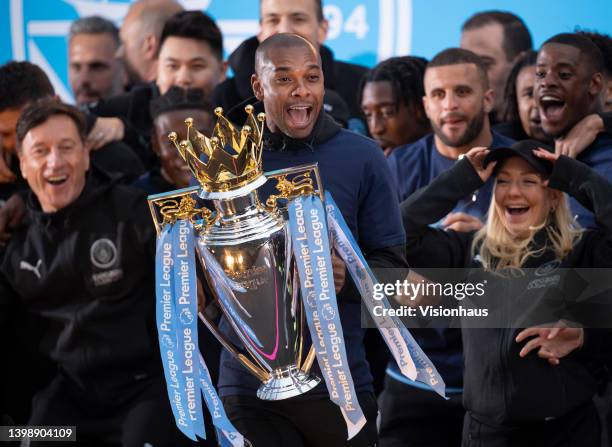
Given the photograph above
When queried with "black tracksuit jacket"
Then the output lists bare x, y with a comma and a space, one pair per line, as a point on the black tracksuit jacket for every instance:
500, 388
88, 272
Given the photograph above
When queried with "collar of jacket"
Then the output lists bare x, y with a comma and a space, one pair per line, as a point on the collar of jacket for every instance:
325, 128
242, 61
97, 182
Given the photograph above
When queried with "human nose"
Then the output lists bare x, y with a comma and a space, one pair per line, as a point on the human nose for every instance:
183, 77
376, 124
450, 101
515, 189
54, 159
300, 89
285, 26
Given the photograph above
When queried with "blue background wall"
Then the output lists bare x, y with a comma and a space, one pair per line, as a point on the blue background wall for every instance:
364, 31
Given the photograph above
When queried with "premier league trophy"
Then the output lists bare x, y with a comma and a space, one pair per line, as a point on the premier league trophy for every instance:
245, 249
269, 268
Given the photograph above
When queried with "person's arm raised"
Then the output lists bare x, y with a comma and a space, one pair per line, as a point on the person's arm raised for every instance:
435, 247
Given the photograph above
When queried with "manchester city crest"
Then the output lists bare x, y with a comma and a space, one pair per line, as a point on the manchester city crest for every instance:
103, 253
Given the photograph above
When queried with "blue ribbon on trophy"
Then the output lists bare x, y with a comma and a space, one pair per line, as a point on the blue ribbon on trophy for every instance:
226, 433
186, 308
185, 370
167, 328
312, 253
412, 361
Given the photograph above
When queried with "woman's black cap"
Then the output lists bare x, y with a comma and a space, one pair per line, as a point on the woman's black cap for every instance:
523, 149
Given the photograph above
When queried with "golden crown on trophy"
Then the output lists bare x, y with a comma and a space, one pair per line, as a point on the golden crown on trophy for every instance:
211, 160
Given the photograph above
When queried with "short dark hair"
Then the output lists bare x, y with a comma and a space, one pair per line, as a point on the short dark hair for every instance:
281, 40
177, 98
194, 25
405, 74
94, 25
318, 7
43, 109
517, 37
22, 83
511, 113
604, 43
583, 44
456, 56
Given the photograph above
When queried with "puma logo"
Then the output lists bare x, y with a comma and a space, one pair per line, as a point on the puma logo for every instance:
24, 265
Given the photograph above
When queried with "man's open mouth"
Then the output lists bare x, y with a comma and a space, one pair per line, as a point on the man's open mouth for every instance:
300, 114
552, 107
57, 179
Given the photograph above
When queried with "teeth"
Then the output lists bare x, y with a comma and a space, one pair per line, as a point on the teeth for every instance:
57, 178
550, 98
299, 107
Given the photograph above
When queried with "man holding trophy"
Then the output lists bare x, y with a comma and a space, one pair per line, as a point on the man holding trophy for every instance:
259, 260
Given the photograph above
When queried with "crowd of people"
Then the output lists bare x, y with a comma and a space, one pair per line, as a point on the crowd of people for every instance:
492, 155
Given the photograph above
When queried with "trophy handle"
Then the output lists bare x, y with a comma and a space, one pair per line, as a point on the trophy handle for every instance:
308, 360
260, 373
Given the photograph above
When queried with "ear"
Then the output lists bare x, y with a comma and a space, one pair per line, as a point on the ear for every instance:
322, 31
488, 100
608, 90
257, 87
150, 46
554, 196
596, 84
21, 165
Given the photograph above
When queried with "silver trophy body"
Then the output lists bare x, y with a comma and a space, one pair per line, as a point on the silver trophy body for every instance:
252, 245
245, 249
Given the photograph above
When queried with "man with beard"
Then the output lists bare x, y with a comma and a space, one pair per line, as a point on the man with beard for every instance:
568, 88
289, 82
93, 70
457, 102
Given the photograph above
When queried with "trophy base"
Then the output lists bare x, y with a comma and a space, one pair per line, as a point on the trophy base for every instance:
287, 382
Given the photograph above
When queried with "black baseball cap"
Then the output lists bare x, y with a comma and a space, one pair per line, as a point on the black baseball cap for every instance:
523, 149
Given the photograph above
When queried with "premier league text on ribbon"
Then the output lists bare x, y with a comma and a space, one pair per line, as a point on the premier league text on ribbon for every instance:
309, 233
323, 275
166, 329
186, 309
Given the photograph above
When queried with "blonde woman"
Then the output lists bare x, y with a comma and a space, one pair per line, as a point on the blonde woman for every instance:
515, 394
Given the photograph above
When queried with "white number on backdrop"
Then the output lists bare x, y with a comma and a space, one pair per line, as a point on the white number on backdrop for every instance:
333, 14
356, 23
